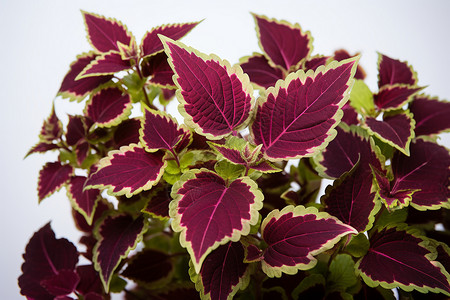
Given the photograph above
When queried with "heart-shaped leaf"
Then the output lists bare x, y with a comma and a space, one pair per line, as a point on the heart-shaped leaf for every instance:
84, 202
294, 235
128, 171
52, 177
407, 262
392, 71
430, 115
215, 98
259, 70
298, 116
209, 212
117, 236
106, 64
223, 273
285, 44
109, 107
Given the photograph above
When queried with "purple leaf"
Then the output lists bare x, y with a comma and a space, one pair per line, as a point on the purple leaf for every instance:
151, 44
298, 116
294, 235
109, 107
285, 44
342, 55
61, 284
430, 115
105, 33
392, 71
117, 236
159, 69
158, 206
350, 145
209, 212
259, 70
47, 262
42, 148
406, 260
350, 116
52, 128
352, 199
78, 89
223, 273
77, 129
52, 177
127, 132
84, 202
106, 64
89, 281
392, 97
215, 98
396, 130
314, 62
128, 171
427, 170
160, 130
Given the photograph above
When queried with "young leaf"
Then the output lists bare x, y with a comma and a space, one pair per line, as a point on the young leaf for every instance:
361, 98
209, 212
407, 262
106, 64
151, 44
392, 71
84, 202
298, 116
127, 133
105, 33
430, 115
343, 54
215, 98
341, 273
259, 70
128, 171
159, 69
158, 205
42, 148
285, 44
294, 235
117, 236
109, 107
48, 263
52, 129
223, 273
78, 89
52, 177
396, 129
392, 97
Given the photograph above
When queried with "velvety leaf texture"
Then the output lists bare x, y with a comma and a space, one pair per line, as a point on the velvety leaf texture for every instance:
285, 44
394, 96
259, 70
215, 98
392, 71
427, 169
84, 202
223, 273
103, 33
294, 235
352, 199
430, 115
108, 107
105, 64
405, 261
52, 177
209, 212
151, 44
128, 171
298, 116
45, 258
116, 236
78, 89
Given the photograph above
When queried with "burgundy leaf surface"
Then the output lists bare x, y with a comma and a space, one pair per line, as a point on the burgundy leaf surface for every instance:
127, 132
104, 33
342, 54
78, 89
350, 116
61, 284
117, 236
427, 169
48, 262
42, 148
396, 130
108, 107
105, 64
285, 44
84, 202
128, 171
52, 128
392, 71
294, 235
391, 199
259, 70
151, 43
158, 205
89, 280
223, 273
77, 129
159, 69
405, 261
298, 116
430, 114
215, 98
352, 199
394, 96
52, 177
209, 212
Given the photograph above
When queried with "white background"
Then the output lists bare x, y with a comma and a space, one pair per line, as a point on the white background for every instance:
39, 40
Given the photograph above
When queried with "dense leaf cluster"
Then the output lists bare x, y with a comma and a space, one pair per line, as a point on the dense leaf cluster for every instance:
226, 204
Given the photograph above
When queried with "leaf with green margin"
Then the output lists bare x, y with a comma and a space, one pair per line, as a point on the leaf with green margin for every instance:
394, 216
392, 97
361, 98
158, 203
209, 212
430, 115
261, 73
392, 71
341, 274
107, 63
52, 177
52, 128
295, 234
116, 236
229, 171
83, 201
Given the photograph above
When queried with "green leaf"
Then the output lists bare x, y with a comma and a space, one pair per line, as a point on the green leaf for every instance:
393, 216
342, 273
361, 98
117, 284
358, 245
228, 171
308, 283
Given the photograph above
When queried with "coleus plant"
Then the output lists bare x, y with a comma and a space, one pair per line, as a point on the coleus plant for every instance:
225, 205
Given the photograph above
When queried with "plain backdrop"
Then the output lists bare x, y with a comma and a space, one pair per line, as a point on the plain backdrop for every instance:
39, 40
